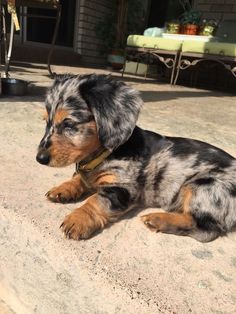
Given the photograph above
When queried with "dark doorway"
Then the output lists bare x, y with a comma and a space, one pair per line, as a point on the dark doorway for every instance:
41, 29
162, 11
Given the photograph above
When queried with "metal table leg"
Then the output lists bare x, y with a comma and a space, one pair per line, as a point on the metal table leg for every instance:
4, 33
8, 56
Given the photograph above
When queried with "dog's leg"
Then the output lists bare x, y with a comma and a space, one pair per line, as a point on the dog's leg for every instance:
176, 223
67, 192
103, 207
182, 224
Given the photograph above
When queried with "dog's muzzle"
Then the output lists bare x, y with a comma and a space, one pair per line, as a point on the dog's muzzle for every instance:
43, 157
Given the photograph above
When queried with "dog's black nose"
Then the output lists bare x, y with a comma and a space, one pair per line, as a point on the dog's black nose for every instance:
43, 157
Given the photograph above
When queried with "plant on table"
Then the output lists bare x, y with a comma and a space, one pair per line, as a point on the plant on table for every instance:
125, 18
173, 27
190, 19
208, 27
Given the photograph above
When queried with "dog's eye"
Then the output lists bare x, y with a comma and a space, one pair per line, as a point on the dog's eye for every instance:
69, 124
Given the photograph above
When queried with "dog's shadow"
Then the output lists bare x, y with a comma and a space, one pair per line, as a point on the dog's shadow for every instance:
129, 215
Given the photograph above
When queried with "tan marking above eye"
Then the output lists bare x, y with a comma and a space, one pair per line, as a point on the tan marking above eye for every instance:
60, 115
92, 125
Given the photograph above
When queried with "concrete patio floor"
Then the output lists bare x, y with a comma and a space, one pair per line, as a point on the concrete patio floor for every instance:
126, 268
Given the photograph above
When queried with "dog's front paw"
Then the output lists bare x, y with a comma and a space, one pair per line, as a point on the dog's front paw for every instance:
64, 193
81, 224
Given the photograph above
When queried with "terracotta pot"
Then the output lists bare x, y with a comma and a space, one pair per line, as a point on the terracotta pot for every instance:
190, 29
116, 59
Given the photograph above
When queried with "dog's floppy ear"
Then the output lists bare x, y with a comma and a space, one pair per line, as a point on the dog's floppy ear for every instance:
115, 107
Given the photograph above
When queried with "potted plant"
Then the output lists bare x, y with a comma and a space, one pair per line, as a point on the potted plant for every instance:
190, 21
208, 28
124, 19
173, 27
116, 56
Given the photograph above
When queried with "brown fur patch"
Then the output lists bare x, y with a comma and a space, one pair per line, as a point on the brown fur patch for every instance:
85, 220
65, 151
62, 151
104, 178
187, 193
68, 191
169, 222
60, 115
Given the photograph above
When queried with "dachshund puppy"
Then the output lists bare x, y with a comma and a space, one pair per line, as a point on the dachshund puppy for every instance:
91, 121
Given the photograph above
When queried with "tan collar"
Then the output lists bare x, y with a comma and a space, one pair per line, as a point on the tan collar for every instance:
90, 163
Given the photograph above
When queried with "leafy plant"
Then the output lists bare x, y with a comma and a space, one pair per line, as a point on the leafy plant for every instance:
106, 29
187, 5
191, 17
126, 18
213, 23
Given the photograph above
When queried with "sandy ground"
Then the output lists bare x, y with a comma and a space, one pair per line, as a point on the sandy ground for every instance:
126, 268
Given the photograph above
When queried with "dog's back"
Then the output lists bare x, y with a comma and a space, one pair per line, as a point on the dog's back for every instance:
194, 177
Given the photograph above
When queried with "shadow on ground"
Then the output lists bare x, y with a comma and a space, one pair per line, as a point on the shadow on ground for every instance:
39, 91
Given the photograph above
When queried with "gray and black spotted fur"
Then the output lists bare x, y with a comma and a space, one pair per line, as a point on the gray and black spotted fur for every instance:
194, 182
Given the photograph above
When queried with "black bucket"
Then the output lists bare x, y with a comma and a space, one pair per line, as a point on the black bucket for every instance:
14, 87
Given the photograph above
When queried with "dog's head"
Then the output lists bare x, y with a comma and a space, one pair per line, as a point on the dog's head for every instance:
85, 113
